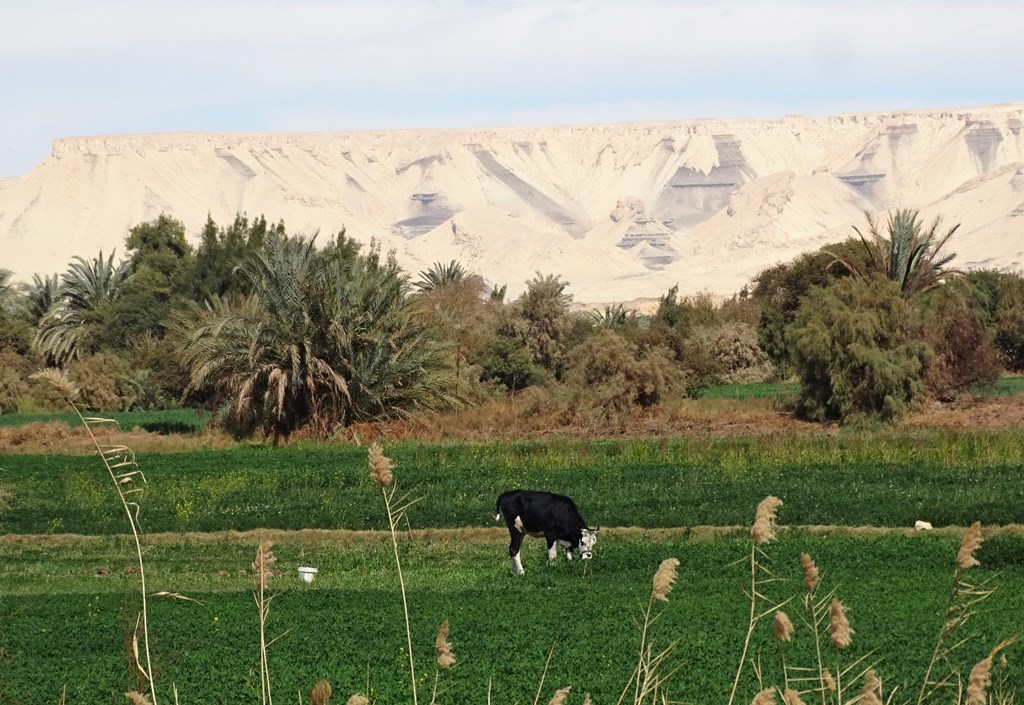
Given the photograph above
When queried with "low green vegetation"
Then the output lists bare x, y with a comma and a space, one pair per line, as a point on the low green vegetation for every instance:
68, 604
166, 421
850, 479
763, 390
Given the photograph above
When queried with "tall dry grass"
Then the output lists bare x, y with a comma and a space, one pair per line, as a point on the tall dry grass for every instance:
129, 482
830, 679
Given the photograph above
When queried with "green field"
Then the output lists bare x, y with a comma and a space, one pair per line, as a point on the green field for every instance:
65, 624
68, 602
853, 480
165, 422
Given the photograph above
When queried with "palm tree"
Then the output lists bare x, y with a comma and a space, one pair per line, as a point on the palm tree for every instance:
40, 295
88, 285
441, 274
910, 255
613, 316
326, 338
8, 290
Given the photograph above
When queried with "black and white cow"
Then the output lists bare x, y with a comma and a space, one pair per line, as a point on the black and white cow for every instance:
552, 516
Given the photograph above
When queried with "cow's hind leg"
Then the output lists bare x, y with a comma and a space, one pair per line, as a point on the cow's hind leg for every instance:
514, 546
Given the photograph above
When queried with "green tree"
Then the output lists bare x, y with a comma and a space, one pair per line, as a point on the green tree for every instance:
160, 258
73, 325
963, 351
220, 250
507, 360
326, 338
15, 332
854, 354
1010, 323
998, 299
440, 275
540, 319
911, 255
40, 295
779, 290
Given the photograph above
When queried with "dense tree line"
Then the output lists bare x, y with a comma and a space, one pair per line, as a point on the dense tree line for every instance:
280, 333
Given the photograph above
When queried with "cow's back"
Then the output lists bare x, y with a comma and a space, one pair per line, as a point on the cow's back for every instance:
540, 509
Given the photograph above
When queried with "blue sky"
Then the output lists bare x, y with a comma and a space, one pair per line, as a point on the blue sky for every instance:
80, 67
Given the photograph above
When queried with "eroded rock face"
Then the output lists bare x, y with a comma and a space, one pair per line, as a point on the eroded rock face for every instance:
627, 208
620, 211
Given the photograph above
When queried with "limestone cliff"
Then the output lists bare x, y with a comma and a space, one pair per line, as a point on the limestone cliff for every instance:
620, 211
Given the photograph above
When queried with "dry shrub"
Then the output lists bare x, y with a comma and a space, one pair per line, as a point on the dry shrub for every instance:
729, 354
965, 354
13, 388
37, 433
100, 379
609, 374
539, 403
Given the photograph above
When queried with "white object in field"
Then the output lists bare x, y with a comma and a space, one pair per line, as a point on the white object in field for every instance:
308, 573
922, 525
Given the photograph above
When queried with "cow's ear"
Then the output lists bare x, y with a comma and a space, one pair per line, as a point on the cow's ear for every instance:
596, 529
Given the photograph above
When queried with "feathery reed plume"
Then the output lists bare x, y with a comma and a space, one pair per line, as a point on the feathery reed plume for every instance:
764, 697
763, 530
839, 626
560, 695
978, 682
783, 626
58, 379
810, 572
137, 698
980, 678
791, 697
380, 466
871, 693
972, 542
664, 579
321, 693
647, 678
357, 700
828, 680
964, 598
445, 657
263, 563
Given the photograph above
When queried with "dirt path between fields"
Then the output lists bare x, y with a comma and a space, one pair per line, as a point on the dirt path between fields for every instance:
484, 535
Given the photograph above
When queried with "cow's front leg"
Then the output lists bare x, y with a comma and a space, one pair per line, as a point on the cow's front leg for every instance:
568, 554
552, 549
514, 546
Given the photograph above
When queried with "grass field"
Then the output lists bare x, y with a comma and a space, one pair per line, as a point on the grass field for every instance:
67, 605
69, 602
166, 422
860, 479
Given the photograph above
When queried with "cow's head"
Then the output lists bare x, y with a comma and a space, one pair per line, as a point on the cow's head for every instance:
587, 541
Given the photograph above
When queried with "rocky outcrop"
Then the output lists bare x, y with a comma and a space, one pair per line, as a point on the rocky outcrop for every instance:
621, 211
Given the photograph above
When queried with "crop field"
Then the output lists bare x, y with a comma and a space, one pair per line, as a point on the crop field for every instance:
944, 478
68, 604
69, 589
168, 421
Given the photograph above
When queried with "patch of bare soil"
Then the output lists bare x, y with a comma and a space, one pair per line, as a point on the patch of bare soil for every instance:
971, 413
708, 419
54, 437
